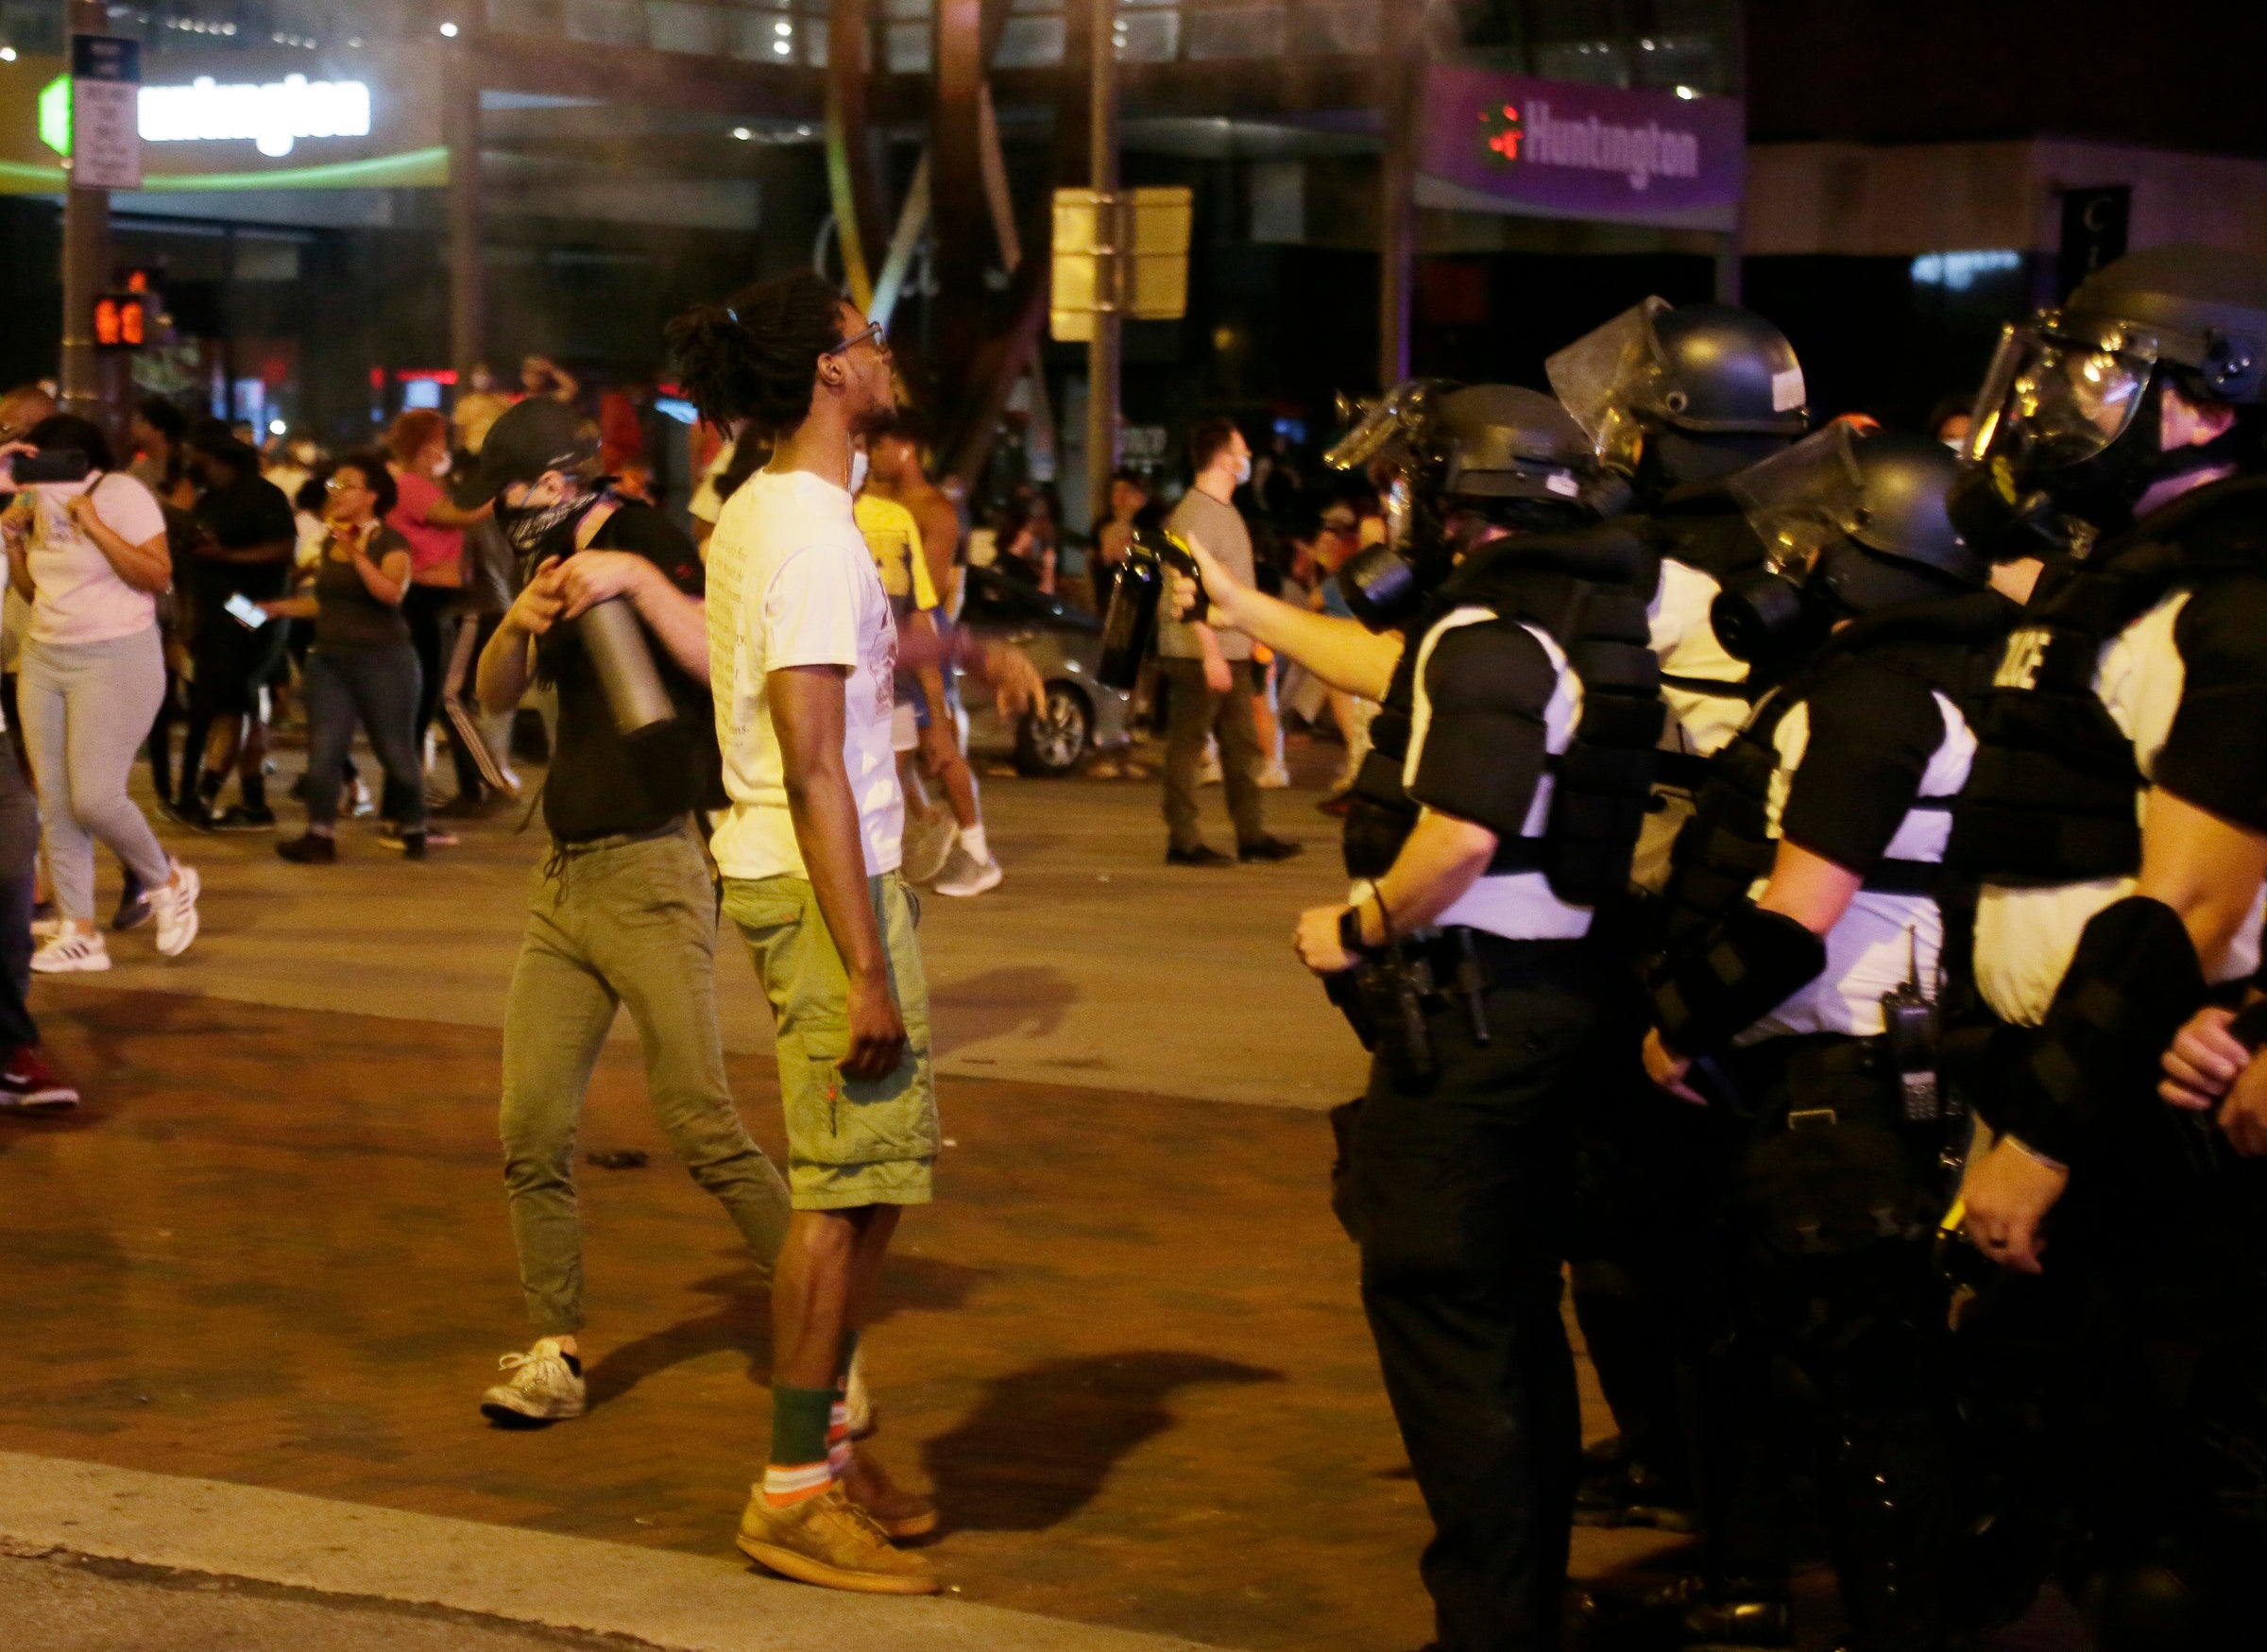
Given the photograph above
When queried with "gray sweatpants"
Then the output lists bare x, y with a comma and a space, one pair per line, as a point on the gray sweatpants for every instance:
87, 708
620, 922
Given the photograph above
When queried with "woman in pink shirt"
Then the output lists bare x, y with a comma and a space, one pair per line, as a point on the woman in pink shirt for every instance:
417, 449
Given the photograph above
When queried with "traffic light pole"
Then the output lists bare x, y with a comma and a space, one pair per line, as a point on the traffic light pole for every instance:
86, 260
1101, 348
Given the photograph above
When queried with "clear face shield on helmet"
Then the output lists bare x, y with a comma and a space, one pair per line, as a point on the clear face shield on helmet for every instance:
1805, 499
1608, 378
2056, 394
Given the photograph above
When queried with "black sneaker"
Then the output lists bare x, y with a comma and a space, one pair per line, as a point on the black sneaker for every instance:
243, 817
192, 815
1202, 855
413, 846
310, 851
1270, 849
133, 906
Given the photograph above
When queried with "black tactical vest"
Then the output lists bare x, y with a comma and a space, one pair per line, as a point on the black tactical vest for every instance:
2053, 796
1727, 845
1580, 590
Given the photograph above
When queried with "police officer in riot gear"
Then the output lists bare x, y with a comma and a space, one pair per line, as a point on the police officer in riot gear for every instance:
1794, 999
2117, 819
1677, 402
1497, 809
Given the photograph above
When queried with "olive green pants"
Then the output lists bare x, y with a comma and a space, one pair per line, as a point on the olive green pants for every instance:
850, 1142
614, 923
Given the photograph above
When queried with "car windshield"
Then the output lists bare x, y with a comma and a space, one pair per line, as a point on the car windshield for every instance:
997, 599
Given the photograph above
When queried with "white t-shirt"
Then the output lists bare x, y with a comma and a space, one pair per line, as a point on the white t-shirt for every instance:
2026, 937
791, 583
76, 595
1881, 940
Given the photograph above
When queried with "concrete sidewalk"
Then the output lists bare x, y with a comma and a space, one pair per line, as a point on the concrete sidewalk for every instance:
348, 1558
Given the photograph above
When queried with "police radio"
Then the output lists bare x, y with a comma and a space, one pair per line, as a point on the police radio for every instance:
1909, 1026
1131, 621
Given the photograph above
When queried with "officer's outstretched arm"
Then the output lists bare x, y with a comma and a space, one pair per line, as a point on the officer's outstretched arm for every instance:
1343, 653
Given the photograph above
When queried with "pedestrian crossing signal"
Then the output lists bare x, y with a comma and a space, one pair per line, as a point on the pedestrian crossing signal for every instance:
122, 321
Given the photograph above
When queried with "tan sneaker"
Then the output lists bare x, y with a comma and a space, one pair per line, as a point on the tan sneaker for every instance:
829, 1541
543, 1388
900, 1513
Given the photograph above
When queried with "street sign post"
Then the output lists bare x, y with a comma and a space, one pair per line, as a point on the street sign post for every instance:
105, 91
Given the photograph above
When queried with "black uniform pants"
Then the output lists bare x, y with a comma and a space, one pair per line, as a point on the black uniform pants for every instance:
1834, 1360
2141, 1356
1457, 1192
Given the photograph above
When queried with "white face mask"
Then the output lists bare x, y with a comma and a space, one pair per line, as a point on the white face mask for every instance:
1243, 469
857, 471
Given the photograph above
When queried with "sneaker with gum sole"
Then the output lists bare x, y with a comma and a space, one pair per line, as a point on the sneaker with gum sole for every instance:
829, 1541
901, 1514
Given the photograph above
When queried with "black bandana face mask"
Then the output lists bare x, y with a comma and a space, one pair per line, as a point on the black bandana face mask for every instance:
544, 530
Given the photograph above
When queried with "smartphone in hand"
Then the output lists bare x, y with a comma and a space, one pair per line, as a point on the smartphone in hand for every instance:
244, 611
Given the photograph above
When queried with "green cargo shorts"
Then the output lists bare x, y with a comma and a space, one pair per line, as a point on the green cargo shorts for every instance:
849, 1142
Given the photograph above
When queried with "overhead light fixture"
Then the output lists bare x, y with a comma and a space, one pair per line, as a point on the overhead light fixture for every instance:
8, 54
742, 133
783, 28
782, 48
448, 29
1686, 92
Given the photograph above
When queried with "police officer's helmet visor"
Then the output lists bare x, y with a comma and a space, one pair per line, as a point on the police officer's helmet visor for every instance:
2058, 392
1881, 491
1608, 378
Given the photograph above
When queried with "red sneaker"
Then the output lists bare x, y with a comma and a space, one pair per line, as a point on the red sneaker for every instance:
27, 1081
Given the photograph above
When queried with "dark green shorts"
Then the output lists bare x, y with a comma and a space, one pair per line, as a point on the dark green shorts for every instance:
849, 1142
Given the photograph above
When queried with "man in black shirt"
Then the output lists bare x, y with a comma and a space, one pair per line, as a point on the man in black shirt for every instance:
623, 909
244, 536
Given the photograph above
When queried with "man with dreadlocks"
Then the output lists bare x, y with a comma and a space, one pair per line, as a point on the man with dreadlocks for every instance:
802, 650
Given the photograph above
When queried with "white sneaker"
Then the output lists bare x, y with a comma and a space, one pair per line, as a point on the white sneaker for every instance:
174, 902
965, 874
544, 1386
364, 804
79, 950
1274, 777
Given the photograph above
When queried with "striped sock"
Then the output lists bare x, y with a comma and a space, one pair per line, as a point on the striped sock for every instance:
838, 1439
799, 1469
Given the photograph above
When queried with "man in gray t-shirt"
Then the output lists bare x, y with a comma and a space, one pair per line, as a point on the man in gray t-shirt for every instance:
1207, 673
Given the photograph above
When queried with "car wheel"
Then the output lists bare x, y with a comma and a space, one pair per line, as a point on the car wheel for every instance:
1050, 740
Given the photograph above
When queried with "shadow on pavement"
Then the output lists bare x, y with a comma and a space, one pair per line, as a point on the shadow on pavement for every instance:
1022, 1001
1040, 1443
741, 1323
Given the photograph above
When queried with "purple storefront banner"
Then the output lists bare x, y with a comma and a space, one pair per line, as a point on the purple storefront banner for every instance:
1562, 149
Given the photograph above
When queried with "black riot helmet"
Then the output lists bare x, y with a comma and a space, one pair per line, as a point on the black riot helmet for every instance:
1852, 520
1684, 394
2068, 418
1469, 458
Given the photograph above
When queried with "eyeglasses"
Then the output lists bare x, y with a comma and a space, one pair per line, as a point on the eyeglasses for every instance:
873, 333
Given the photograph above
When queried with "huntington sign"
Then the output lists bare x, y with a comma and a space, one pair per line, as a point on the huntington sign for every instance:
272, 117
1559, 150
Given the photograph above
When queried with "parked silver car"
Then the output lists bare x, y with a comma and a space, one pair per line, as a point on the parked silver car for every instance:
1066, 644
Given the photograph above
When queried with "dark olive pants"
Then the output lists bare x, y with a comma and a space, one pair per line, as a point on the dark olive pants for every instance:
1192, 712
